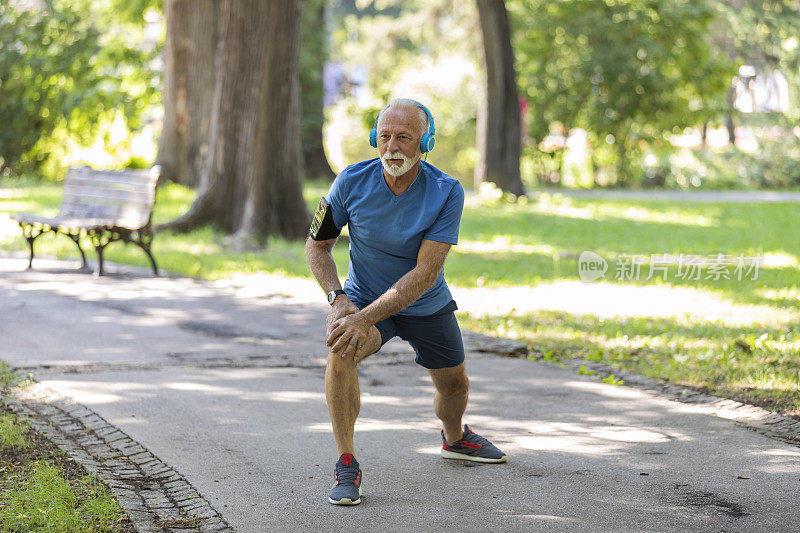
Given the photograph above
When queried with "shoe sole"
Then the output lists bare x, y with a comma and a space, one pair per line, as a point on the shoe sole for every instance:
447, 454
347, 501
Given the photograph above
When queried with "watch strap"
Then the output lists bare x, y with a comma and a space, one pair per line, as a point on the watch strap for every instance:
333, 294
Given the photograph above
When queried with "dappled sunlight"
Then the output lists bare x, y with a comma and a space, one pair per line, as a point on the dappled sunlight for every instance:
562, 209
364, 424
375, 399
557, 204
294, 396
502, 243
780, 460
604, 390
83, 391
785, 294
645, 214
779, 260
547, 518
8, 229
200, 387
617, 300
599, 441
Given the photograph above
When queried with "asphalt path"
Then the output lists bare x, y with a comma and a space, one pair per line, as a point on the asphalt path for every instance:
224, 383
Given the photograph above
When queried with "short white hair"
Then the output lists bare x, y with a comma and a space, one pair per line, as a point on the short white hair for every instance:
408, 103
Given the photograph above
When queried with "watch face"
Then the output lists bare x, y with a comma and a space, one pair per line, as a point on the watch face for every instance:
331, 297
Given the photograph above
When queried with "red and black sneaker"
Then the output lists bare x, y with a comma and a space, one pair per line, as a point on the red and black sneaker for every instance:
346, 482
472, 447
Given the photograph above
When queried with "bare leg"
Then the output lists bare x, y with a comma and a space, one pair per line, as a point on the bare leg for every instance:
450, 400
342, 392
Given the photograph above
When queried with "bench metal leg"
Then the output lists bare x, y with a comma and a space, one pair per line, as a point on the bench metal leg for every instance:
30, 245
30, 235
76, 238
143, 242
99, 249
100, 239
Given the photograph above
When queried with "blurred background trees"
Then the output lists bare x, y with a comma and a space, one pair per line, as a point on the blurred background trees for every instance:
70, 70
604, 93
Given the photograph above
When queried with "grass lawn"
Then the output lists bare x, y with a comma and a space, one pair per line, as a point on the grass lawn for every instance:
42, 490
527, 243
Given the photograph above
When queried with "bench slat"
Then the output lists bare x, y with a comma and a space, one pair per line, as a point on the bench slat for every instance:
144, 197
124, 198
137, 184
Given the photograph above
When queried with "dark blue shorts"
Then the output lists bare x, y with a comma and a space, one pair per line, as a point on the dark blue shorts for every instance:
436, 338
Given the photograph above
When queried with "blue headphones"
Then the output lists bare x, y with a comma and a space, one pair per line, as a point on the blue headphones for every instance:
426, 143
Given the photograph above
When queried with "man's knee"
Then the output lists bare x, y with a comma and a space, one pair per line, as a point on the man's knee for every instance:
340, 365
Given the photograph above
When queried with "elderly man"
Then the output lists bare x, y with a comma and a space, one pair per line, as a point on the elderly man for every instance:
403, 215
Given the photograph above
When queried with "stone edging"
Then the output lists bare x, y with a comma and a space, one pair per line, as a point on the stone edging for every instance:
153, 494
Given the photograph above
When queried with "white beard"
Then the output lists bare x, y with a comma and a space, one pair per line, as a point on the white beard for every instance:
398, 170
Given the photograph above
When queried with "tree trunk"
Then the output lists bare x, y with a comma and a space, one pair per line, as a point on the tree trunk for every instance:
498, 111
251, 183
189, 49
313, 54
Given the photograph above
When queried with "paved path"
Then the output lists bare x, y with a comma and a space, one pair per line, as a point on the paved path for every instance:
691, 196
217, 389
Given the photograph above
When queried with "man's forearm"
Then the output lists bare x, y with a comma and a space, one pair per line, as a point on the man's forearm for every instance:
403, 293
323, 267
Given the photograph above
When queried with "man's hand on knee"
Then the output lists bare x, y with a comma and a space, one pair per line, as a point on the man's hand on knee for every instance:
341, 308
347, 334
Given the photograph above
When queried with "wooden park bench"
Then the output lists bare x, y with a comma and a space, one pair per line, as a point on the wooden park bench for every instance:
103, 205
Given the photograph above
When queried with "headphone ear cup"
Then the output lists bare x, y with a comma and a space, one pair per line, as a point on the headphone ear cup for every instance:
373, 138
426, 143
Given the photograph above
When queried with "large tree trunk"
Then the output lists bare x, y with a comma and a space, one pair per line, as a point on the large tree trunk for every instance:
498, 111
313, 54
251, 183
189, 73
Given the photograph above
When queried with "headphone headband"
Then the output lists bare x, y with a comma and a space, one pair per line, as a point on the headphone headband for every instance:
426, 143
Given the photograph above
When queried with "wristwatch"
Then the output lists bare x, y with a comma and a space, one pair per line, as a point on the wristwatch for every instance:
333, 294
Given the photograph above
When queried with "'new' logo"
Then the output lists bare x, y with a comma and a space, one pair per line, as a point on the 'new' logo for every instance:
591, 266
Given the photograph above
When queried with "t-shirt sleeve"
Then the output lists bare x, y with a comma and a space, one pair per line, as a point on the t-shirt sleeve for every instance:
336, 199
445, 227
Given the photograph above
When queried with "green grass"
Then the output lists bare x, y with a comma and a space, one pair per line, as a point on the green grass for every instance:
7, 376
530, 242
11, 432
44, 501
36, 494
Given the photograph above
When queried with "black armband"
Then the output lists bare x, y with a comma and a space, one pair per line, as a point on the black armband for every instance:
322, 227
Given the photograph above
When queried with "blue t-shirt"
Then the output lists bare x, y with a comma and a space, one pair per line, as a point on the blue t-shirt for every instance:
386, 231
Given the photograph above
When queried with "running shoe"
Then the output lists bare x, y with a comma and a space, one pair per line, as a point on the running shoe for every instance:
346, 482
472, 447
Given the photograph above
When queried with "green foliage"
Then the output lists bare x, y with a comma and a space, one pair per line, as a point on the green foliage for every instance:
44, 501
612, 380
776, 165
66, 68
627, 71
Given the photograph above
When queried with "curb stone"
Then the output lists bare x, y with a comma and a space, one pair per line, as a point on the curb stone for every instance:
153, 495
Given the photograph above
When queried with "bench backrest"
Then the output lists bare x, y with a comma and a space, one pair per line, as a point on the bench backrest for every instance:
124, 197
